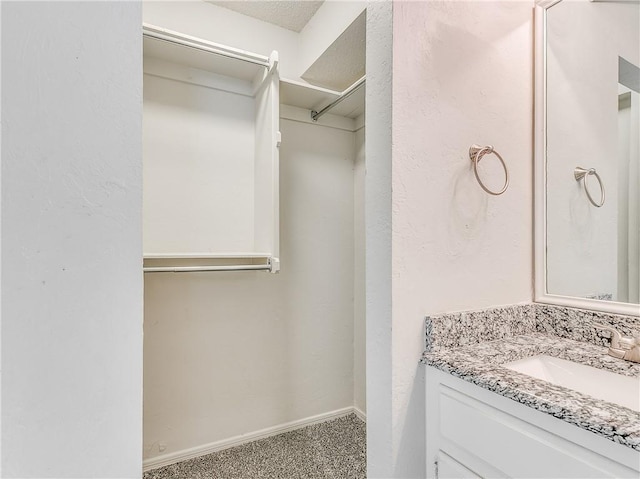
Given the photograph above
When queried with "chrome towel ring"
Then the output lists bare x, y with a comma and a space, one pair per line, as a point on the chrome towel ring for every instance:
581, 174
476, 153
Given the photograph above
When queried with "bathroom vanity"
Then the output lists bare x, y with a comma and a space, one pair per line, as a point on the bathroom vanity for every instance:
532, 390
549, 389
486, 419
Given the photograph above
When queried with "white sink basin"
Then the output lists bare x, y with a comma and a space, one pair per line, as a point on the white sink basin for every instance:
598, 383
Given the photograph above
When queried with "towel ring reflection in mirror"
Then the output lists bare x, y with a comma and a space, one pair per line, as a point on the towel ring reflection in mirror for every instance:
581, 174
476, 153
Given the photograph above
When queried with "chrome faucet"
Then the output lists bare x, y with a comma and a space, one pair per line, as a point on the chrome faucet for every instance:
622, 347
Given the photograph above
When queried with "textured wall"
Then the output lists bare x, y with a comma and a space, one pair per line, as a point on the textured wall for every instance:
71, 245
378, 238
462, 74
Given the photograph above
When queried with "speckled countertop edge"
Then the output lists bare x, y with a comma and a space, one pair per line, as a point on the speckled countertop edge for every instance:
480, 364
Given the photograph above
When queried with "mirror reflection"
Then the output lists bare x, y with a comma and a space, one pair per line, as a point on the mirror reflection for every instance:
593, 150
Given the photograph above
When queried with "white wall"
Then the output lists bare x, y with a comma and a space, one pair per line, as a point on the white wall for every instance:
71, 245
191, 134
584, 41
359, 296
232, 353
462, 74
378, 238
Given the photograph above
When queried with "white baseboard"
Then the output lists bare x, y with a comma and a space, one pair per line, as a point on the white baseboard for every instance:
185, 454
358, 412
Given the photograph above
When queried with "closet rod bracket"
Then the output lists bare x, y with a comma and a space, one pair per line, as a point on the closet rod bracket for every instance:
273, 61
274, 263
315, 115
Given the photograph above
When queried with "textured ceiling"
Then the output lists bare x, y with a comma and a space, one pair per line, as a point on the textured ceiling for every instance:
292, 14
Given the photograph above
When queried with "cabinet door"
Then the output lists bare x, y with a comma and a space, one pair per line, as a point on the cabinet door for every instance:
492, 436
449, 468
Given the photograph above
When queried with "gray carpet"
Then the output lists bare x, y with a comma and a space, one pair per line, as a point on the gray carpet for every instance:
331, 450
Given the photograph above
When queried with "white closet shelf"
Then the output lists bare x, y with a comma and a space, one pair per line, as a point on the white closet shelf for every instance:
195, 53
203, 262
159, 256
311, 97
305, 95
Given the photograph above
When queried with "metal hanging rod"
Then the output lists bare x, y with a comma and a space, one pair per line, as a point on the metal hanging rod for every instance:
170, 36
345, 94
197, 269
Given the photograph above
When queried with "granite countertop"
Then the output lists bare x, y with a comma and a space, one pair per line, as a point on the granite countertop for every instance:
481, 363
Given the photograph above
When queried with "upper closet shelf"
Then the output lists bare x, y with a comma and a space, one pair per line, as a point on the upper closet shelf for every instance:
198, 55
224, 63
304, 95
313, 98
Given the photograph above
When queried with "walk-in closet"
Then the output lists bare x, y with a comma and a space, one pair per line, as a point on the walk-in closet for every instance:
253, 214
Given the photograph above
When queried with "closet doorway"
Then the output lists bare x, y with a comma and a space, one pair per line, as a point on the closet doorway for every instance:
254, 323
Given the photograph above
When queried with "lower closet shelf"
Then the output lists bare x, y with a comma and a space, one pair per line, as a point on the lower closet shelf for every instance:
191, 263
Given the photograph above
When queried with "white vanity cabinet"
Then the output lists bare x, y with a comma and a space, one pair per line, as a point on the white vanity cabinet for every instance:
473, 432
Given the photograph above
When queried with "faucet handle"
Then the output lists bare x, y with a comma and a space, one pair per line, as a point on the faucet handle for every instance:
627, 347
616, 337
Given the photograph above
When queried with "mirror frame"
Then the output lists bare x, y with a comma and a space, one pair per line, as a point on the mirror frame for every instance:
541, 294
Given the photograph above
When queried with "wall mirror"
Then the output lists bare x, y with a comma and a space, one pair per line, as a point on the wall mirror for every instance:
587, 154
